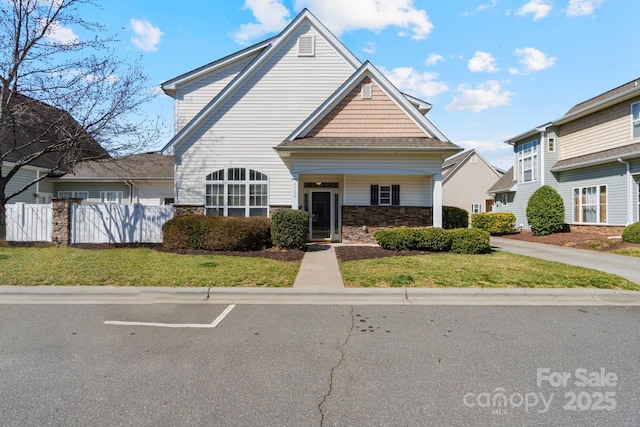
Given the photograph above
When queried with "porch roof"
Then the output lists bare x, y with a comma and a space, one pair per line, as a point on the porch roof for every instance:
368, 144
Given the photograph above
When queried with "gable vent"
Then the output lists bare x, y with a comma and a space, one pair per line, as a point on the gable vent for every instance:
306, 46
366, 91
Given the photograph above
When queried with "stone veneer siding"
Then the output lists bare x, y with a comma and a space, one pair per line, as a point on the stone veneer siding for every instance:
359, 223
61, 220
188, 210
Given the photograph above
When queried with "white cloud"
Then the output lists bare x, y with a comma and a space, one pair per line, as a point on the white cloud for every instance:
146, 36
513, 71
482, 7
59, 34
375, 15
582, 7
482, 62
483, 96
422, 85
369, 48
433, 59
539, 9
535, 60
271, 16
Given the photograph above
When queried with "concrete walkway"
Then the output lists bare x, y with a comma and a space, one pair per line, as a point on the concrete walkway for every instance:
622, 265
319, 268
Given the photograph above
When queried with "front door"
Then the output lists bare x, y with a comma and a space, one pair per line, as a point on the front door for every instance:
321, 208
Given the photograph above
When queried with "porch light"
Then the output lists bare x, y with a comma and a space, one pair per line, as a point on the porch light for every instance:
318, 184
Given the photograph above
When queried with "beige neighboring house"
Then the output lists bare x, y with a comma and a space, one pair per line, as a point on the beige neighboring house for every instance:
466, 178
140, 178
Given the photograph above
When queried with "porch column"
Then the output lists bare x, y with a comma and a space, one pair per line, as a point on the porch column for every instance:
437, 200
294, 191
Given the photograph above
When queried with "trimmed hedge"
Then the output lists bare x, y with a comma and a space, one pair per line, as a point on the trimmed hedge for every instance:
631, 233
495, 223
470, 241
289, 228
214, 233
453, 217
460, 240
545, 211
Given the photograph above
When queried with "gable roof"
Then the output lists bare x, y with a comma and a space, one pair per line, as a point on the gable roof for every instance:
504, 184
40, 125
145, 166
400, 100
452, 164
268, 47
630, 86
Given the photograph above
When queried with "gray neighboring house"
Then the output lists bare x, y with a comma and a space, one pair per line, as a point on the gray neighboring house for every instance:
591, 156
140, 178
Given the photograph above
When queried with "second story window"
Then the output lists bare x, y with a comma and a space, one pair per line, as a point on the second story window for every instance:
635, 119
528, 162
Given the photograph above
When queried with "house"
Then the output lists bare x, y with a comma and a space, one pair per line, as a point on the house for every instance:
466, 177
591, 156
49, 140
297, 121
145, 178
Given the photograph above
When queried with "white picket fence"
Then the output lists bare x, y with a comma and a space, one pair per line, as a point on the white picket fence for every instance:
29, 223
104, 223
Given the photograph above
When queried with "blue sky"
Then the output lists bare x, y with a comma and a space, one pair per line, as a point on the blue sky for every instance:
491, 68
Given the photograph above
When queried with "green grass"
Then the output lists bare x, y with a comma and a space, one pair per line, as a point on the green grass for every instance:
628, 251
138, 267
496, 270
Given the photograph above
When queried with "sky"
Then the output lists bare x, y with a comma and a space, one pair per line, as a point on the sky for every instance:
492, 69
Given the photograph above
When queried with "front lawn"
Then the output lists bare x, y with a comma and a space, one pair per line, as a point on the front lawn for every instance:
499, 270
138, 267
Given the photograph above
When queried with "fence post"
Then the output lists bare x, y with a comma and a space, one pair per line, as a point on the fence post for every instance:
61, 221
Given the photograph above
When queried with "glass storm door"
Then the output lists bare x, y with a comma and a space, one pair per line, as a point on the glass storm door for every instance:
321, 215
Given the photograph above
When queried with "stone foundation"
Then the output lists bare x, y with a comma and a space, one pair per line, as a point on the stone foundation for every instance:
359, 223
188, 210
61, 220
607, 230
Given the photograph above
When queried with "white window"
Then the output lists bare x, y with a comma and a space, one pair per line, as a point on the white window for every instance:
590, 205
237, 192
111, 197
528, 162
306, 45
84, 195
476, 208
551, 145
385, 195
635, 119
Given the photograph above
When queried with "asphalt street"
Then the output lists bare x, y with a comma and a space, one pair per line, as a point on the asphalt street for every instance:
304, 365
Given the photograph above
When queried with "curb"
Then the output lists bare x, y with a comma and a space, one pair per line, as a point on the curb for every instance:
346, 296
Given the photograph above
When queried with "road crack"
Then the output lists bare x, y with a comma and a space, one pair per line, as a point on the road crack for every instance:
343, 356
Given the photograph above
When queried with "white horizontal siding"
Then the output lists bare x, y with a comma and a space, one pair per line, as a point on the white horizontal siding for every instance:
414, 190
266, 109
94, 189
152, 193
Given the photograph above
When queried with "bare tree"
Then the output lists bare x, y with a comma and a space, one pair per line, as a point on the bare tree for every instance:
63, 98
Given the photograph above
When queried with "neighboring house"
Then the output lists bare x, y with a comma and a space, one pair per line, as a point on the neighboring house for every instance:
140, 178
297, 121
591, 156
41, 128
467, 176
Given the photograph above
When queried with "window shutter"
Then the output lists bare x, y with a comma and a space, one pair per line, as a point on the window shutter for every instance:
374, 195
395, 195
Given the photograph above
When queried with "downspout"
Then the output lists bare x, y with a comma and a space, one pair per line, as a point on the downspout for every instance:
128, 184
541, 168
629, 192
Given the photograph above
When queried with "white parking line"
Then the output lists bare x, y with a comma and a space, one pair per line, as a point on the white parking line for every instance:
175, 325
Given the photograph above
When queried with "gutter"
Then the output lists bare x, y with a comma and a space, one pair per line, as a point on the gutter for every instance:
629, 192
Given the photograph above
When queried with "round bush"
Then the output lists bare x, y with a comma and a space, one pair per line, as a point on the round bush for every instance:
453, 217
432, 239
631, 233
397, 239
289, 228
188, 231
495, 223
469, 241
545, 211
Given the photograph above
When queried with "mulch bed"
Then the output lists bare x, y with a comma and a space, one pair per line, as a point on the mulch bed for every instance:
354, 253
591, 241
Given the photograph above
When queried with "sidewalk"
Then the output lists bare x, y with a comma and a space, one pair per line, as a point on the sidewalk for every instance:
319, 268
624, 266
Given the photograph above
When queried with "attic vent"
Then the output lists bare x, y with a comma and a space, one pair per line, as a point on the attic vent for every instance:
474, 159
306, 46
366, 91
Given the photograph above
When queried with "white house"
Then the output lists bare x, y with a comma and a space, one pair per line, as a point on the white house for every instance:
297, 121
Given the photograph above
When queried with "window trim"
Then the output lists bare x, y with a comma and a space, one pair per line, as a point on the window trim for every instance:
580, 208
245, 184
74, 195
521, 158
473, 210
551, 145
380, 186
119, 197
634, 121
